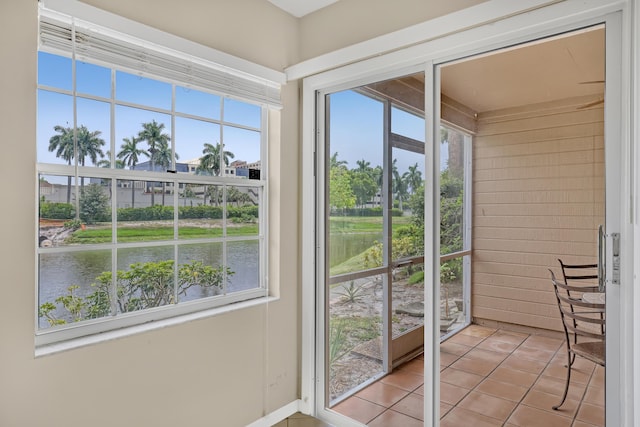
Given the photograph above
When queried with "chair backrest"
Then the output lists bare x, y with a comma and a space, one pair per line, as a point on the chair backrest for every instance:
578, 317
584, 276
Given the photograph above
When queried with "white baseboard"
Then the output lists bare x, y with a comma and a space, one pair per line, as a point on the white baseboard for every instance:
277, 415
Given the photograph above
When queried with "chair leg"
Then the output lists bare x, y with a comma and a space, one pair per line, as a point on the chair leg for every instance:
566, 386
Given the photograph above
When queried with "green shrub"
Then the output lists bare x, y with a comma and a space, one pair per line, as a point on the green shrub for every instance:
377, 211
416, 278
50, 210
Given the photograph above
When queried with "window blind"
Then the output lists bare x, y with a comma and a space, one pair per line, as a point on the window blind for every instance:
91, 43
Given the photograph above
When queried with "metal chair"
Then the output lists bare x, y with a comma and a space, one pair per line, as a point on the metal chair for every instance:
579, 318
582, 278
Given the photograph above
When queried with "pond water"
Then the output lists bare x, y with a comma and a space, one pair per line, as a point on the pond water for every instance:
347, 245
58, 271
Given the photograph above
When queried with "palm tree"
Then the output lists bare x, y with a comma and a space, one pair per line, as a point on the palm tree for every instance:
363, 166
106, 163
210, 161
335, 163
413, 177
163, 159
401, 189
152, 133
130, 155
62, 144
89, 144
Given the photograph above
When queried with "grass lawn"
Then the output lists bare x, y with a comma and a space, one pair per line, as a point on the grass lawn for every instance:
362, 224
150, 233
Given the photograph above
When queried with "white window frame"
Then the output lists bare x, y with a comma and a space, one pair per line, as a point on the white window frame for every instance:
251, 77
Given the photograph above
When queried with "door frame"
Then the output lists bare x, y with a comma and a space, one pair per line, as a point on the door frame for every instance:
546, 21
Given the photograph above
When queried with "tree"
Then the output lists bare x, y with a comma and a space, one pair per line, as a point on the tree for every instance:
130, 154
363, 166
89, 145
62, 144
233, 195
152, 133
94, 204
163, 158
363, 186
142, 286
413, 177
106, 162
340, 193
188, 193
401, 189
210, 161
335, 163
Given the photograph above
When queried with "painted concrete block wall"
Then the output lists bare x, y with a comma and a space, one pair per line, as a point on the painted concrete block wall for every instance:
538, 195
227, 370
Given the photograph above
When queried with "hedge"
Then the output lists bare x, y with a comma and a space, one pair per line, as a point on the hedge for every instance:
66, 211
49, 210
377, 211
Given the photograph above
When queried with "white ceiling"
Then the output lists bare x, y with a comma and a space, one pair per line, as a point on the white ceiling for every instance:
299, 8
542, 71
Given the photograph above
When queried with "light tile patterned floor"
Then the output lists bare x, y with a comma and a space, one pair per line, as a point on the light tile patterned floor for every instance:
488, 377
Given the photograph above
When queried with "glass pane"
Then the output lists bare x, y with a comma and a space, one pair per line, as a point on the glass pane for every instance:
54, 70
453, 305
355, 334
72, 287
451, 191
93, 79
200, 211
56, 212
197, 142
241, 113
355, 220
407, 225
191, 101
200, 273
55, 128
407, 299
243, 211
407, 124
145, 278
152, 135
142, 90
241, 151
94, 130
146, 211
407, 219
60, 224
243, 259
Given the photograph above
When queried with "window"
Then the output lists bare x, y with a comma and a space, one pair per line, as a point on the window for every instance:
152, 188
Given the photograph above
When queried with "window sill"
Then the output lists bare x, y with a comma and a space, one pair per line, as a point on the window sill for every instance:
58, 347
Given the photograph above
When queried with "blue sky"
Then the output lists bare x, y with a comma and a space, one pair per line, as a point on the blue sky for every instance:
190, 134
356, 131
356, 120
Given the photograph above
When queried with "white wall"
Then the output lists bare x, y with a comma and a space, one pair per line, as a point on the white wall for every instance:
222, 371
351, 21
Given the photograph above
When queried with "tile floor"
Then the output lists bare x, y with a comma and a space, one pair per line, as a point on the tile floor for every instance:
489, 377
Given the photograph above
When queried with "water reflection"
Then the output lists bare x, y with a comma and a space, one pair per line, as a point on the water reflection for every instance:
58, 271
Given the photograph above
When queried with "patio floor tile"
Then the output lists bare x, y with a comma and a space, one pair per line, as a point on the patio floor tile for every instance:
507, 379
